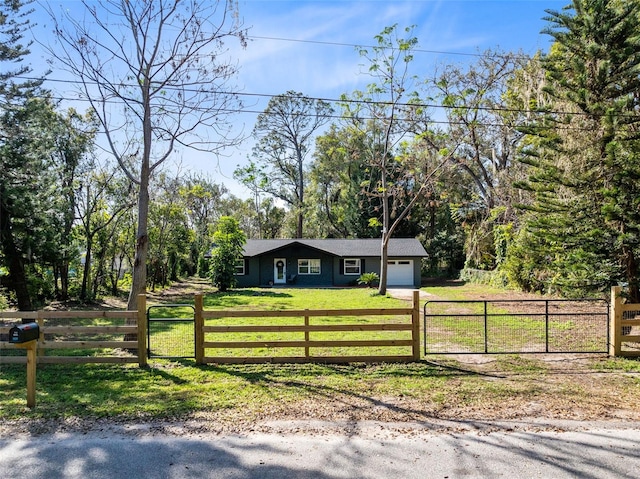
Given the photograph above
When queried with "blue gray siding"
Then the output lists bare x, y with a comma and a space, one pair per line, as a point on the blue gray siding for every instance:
259, 265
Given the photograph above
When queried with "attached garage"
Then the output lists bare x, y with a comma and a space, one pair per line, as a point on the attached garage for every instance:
400, 272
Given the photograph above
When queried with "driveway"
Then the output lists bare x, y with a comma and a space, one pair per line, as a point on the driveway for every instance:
407, 293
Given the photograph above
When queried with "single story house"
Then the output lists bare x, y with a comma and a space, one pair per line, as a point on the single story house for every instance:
327, 262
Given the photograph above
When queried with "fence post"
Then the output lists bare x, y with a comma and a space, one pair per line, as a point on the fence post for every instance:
415, 323
40, 322
615, 326
31, 347
142, 330
199, 328
306, 334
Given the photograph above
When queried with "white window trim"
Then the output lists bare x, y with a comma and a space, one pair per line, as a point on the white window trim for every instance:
310, 263
240, 266
358, 265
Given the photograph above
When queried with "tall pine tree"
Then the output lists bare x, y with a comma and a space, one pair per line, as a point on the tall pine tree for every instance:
16, 105
585, 150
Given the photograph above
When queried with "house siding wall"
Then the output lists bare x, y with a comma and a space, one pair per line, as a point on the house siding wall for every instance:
371, 265
252, 274
260, 270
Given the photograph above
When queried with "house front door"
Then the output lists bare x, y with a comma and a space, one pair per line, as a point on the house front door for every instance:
279, 271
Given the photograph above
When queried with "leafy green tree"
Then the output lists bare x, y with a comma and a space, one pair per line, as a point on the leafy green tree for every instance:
170, 232
73, 138
271, 219
339, 209
585, 153
19, 155
104, 201
229, 243
284, 134
203, 200
484, 138
34, 209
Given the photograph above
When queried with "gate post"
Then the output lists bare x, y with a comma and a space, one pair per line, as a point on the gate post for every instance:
142, 330
199, 328
615, 326
415, 323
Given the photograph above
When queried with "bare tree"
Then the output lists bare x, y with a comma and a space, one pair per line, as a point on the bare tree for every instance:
157, 73
388, 113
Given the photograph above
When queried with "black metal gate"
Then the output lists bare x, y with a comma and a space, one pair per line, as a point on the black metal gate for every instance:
516, 326
171, 331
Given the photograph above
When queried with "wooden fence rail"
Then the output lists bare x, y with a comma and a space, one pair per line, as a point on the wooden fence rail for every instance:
624, 337
306, 344
89, 337
60, 331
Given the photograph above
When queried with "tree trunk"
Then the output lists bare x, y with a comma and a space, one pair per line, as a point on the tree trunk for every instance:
386, 233
139, 280
382, 287
86, 272
17, 280
139, 283
64, 278
301, 192
18, 276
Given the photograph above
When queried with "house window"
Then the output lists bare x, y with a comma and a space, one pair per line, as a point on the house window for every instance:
308, 266
352, 266
240, 267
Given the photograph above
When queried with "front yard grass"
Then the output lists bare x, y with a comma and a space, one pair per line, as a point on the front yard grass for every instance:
290, 299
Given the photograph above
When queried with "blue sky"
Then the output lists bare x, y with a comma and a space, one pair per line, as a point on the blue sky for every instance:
282, 55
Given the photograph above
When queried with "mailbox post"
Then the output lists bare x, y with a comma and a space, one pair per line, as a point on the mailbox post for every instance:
26, 336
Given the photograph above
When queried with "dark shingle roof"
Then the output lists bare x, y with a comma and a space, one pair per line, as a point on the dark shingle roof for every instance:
398, 247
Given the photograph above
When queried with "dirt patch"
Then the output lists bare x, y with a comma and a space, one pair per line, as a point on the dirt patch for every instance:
182, 289
407, 294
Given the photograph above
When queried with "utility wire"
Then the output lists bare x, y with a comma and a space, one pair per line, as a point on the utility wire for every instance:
495, 109
353, 45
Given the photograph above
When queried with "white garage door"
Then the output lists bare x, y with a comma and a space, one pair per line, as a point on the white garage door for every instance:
400, 272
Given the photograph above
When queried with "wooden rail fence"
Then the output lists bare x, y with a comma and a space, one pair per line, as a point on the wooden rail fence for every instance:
306, 344
624, 334
90, 337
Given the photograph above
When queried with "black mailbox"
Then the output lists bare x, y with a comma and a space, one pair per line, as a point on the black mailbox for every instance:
23, 333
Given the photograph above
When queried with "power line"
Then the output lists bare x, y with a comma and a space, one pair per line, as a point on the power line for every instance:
493, 109
367, 118
353, 45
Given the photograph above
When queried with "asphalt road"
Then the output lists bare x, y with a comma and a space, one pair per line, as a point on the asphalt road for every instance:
600, 452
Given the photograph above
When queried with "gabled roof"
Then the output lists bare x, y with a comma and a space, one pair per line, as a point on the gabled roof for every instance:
398, 247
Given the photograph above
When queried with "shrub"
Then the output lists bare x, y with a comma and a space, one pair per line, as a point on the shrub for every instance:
4, 302
229, 244
370, 279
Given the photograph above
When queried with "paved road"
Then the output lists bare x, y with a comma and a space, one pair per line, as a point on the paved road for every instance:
596, 453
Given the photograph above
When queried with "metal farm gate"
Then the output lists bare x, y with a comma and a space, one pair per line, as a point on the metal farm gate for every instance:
171, 331
516, 326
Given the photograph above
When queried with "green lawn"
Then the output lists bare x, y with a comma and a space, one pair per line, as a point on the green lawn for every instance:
437, 387
169, 338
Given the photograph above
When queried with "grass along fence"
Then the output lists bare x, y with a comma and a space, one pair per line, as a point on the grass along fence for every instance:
380, 334
80, 336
